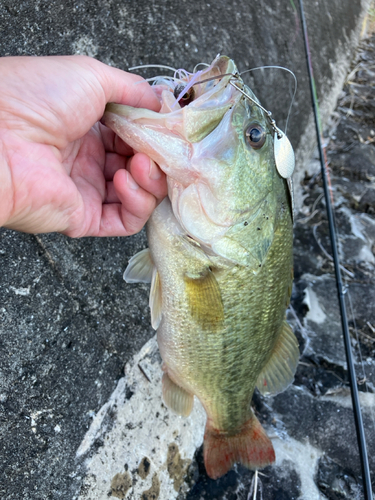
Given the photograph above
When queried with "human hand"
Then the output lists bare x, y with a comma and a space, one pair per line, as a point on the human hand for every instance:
60, 169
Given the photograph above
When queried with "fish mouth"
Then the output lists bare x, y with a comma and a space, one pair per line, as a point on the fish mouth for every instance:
168, 137
221, 68
208, 83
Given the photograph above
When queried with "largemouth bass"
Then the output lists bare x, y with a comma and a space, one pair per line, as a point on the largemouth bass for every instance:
219, 258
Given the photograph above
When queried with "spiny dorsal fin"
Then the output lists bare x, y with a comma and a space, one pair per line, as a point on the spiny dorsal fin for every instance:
204, 298
155, 301
176, 398
280, 369
140, 268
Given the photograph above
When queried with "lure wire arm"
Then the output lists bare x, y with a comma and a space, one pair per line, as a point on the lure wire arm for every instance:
268, 113
236, 76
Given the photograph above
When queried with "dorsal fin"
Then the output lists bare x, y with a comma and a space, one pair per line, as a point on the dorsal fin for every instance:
279, 372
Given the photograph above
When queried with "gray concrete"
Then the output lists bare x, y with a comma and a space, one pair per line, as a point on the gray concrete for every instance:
68, 321
184, 33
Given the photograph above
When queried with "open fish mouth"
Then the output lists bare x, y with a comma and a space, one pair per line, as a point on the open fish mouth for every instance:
188, 87
205, 93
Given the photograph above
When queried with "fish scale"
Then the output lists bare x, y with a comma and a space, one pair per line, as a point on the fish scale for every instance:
220, 257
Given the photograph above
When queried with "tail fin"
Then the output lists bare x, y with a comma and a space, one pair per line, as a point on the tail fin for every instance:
250, 446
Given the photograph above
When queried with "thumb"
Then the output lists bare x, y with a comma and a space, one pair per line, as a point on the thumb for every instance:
126, 88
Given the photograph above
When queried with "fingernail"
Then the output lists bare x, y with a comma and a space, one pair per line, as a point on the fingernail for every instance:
131, 182
154, 172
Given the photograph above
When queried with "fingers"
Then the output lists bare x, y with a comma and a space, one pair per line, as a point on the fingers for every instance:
111, 195
138, 193
116, 221
113, 143
125, 88
148, 175
132, 196
113, 162
139, 185
133, 210
143, 170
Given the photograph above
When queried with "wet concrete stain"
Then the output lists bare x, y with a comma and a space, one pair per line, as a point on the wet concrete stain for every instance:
154, 491
176, 466
120, 485
144, 468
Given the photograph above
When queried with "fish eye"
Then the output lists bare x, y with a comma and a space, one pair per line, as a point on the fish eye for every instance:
185, 99
255, 135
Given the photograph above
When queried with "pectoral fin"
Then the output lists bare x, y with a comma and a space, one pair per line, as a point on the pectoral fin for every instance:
204, 298
176, 398
279, 372
155, 301
140, 268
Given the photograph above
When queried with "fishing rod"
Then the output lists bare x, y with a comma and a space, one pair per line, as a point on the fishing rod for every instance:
340, 291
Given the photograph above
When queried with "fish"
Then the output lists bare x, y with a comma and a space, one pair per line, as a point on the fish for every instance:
220, 257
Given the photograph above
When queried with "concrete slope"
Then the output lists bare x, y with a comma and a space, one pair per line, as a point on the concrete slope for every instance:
69, 324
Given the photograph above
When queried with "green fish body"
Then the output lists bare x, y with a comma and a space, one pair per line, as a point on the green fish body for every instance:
219, 260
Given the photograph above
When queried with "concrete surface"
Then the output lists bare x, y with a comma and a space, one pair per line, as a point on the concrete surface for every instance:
182, 34
69, 323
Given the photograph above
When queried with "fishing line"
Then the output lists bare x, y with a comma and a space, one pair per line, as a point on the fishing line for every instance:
200, 64
360, 353
197, 73
144, 66
256, 484
159, 77
295, 86
340, 291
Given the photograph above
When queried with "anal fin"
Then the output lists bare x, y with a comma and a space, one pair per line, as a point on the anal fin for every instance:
250, 446
176, 398
279, 372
